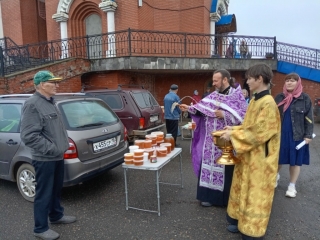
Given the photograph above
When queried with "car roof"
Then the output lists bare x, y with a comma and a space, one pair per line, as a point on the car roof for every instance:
57, 97
135, 90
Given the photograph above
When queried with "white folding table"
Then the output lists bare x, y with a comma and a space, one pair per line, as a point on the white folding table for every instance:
161, 162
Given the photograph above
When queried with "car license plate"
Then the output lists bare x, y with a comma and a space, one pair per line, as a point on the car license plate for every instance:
154, 118
98, 146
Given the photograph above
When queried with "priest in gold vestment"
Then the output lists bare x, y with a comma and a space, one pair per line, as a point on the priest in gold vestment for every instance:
257, 144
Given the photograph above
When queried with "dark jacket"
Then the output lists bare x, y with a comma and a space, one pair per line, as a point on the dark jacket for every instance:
301, 115
42, 129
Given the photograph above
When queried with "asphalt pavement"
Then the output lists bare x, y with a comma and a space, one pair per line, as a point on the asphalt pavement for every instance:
99, 205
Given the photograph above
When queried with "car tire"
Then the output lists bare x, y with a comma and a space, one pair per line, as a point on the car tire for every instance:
26, 181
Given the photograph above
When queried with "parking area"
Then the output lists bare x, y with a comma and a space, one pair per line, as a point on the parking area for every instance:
99, 205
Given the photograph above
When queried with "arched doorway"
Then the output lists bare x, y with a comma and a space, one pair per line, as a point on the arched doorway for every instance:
86, 20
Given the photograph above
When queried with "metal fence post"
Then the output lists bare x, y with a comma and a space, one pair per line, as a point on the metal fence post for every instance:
275, 48
1, 62
185, 45
129, 41
87, 46
317, 59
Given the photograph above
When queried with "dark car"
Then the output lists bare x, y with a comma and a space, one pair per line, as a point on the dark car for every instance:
97, 140
136, 107
316, 109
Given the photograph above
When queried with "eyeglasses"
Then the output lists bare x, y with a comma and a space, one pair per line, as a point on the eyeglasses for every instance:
53, 82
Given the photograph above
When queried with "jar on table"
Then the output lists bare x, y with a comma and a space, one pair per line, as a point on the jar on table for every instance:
170, 139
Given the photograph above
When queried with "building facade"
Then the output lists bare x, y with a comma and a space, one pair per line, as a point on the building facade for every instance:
34, 21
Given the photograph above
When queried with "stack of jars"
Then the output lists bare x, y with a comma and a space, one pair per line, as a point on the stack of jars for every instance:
160, 137
138, 157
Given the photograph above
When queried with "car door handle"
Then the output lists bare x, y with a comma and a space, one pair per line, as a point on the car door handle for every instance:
11, 142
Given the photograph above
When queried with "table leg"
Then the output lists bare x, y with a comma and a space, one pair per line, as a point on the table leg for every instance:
180, 156
126, 187
158, 191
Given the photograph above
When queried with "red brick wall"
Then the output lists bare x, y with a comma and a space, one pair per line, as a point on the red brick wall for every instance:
53, 28
29, 21
70, 71
310, 87
11, 17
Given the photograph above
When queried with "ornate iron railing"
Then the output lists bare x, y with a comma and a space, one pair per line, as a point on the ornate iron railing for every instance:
308, 57
131, 42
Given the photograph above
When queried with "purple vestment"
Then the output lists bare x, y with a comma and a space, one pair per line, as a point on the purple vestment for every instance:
204, 152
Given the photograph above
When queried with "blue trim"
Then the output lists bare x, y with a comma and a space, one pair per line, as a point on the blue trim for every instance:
213, 8
225, 19
304, 72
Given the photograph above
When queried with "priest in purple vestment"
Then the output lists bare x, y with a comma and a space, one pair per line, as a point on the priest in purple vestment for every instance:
225, 106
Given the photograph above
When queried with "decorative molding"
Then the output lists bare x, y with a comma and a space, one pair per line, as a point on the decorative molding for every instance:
60, 17
64, 6
215, 17
107, 5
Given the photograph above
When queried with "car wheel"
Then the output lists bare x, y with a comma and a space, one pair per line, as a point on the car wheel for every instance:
26, 181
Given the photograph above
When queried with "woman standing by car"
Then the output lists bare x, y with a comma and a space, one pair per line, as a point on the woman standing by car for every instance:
296, 113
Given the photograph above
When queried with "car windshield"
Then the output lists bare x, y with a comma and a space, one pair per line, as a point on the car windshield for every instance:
87, 114
145, 100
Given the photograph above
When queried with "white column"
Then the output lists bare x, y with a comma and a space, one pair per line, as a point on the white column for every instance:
214, 17
63, 18
1, 24
109, 7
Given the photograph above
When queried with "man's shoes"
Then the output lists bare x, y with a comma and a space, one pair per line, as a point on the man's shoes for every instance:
291, 192
278, 178
233, 228
65, 220
47, 235
206, 204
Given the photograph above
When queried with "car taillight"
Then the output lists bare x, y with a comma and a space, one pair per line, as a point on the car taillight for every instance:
72, 150
125, 134
141, 123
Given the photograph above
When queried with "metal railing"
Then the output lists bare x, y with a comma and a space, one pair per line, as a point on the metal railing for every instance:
131, 42
308, 57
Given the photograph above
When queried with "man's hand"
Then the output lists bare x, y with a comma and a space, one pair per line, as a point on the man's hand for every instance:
183, 107
226, 135
219, 114
308, 140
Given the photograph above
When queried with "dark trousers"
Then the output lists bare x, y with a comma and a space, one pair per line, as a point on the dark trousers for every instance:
49, 177
233, 221
172, 127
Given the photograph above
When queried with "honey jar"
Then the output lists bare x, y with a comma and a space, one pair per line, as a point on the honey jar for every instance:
161, 152
166, 145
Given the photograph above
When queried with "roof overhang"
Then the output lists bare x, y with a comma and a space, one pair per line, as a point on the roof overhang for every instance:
226, 24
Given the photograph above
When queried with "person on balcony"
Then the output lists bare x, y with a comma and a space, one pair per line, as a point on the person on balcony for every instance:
296, 114
225, 106
243, 49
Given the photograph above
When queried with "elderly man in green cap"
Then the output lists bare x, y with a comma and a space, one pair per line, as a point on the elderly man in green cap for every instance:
43, 132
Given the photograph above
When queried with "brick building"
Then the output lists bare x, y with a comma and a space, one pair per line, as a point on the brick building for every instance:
34, 21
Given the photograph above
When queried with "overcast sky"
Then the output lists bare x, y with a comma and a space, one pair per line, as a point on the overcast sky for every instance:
291, 21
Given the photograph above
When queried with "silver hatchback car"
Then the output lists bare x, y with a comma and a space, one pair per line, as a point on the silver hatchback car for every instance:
97, 140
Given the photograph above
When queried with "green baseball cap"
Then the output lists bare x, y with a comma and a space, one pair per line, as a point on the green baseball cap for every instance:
44, 76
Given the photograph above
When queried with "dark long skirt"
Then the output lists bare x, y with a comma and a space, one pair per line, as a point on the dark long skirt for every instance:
217, 197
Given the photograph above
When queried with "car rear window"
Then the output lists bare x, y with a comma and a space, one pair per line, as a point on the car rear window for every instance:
10, 114
144, 99
113, 100
87, 114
